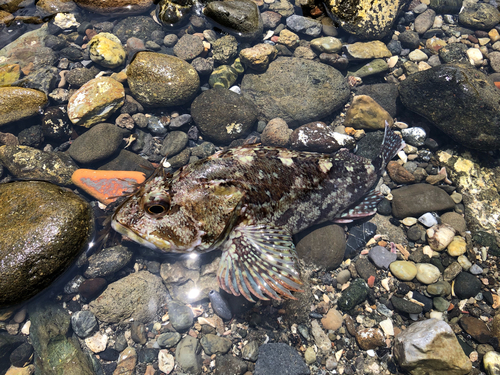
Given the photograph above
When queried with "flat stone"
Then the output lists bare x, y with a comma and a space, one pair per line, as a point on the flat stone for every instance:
26, 239
108, 261
187, 355
368, 50
476, 328
213, 344
415, 200
279, 358
332, 320
403, 270
366, 113
381, 257
319, 137
83, 323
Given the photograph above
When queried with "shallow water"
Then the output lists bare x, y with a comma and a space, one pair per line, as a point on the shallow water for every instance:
264, 322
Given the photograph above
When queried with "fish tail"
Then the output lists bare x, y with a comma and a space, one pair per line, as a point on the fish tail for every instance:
391, 145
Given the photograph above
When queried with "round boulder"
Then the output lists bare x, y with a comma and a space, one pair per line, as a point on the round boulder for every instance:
297, 90
223, 116
462, 102
158, 80
44, 228
17, 103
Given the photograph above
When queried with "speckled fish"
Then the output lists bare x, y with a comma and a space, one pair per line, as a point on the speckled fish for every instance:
249, 201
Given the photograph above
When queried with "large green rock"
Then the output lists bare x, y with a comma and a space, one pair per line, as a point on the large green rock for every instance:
461, 101
55, 353
158, 80
297, 90
44, 227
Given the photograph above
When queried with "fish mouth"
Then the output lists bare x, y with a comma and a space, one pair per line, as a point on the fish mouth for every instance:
124, 231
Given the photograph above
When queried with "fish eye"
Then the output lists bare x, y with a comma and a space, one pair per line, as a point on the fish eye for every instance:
157, 207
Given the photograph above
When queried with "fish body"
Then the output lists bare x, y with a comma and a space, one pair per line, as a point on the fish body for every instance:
249, 201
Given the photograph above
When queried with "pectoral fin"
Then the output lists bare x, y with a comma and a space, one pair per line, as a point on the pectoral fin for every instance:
259, 261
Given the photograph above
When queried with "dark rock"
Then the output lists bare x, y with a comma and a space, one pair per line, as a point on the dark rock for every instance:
423, 299
8, 344
353, 295
109, 354
147, 355
223, 116
479, 16
405, 306
21, 356
140, 27
464, 105
409, 39
414, 233
79, 76
174, 143
187, 355
308, 91
173, 14
56, 124
337, 61
385, 94
319, 137
180, 121
83, 323
466, 285
213, 344
476, 328
92, 287
322, 246
384, 207
43, 79
188, 47
181, 315
168, 339
108, 261
32, 136
279, 358
369, 145
44, 228
358, 237
138, 332
100, 142
415, 200
446, 6
128, 161
220, 305
365, 269
239, 18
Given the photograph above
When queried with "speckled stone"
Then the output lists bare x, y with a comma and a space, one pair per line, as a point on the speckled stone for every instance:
17, 103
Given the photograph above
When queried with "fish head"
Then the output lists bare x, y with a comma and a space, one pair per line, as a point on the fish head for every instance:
178, 216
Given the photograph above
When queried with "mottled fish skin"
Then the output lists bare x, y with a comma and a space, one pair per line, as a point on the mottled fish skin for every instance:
249, 201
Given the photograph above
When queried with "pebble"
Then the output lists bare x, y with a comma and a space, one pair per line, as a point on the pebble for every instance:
220, 305
353, 295
166, 361
213, 344
181, 316
457, 246
22, 355
332, 320
440, 236
83, 323
466, 285
343, 277
304, 25
428, 219
168, 339
138, 332
278, 358
491, 362
415, 136
405, 306
381, 257
250, 351
310, 355
187, 355
276, 133
403, 270
97, 343
427, 273
440, 288
476, 328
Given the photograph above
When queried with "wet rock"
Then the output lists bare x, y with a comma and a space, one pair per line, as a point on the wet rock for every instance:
239, 18
365, 18
223, 116
95, 101
220, 305
367, 50
319, 137
174, 143
188, 47
399, 174
353, 295
159, 80
482, 204
26, 240
370, 338
56, 124
415, 200
479, 16
440, 236
332, 320
457, 247
213, 344
187, 355
405, 306
430, 345
305, 25
250, 351
327, 44
381, 257
409, 39
138, 332
385, 94
181, 316
79, 76
279, 358
108, 261
138, 295
166, 361
229, 365
128, 161
427, 273
96, 144
476, 328
174, 14
8, 343
424, 21
357, 238
466, 285
126, 362
106, 50
17, 103
258, 57
113, 7
403, 270
92, 287
374, 67
491, 362
469, 120
48, 333
83, 323
308, 91
322, 246
224, 76
276, 133
366, 113
22, 355
225, 49
168, 339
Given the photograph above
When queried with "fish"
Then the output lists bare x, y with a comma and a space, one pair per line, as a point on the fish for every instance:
249, 201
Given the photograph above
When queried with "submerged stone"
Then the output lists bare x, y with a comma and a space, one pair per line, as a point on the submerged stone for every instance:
17, 103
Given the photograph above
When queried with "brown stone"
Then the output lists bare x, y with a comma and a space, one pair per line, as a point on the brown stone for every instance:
366, 113
333, 320
17, 103
370, 338
476, 328
399, 174
276, 133
111, 7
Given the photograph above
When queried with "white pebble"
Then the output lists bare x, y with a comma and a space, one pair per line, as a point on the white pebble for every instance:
387, 327
475, 56
428, 219
97, 343
166, 361
464, 262
26, 328
440, 236
427, 273
436, 315
409, 221
235, 89
476, 270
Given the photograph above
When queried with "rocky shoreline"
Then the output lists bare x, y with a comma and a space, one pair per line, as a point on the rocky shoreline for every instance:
412, 290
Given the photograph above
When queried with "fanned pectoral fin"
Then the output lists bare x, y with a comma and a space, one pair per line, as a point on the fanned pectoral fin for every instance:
259, 261
367, 207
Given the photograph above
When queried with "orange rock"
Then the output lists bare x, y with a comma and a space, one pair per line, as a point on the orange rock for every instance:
497, 84
105, 186
371, 281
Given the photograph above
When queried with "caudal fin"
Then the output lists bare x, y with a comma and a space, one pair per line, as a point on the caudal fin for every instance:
391, 145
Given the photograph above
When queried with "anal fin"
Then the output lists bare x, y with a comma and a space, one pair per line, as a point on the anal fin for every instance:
367, 207
259, 261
